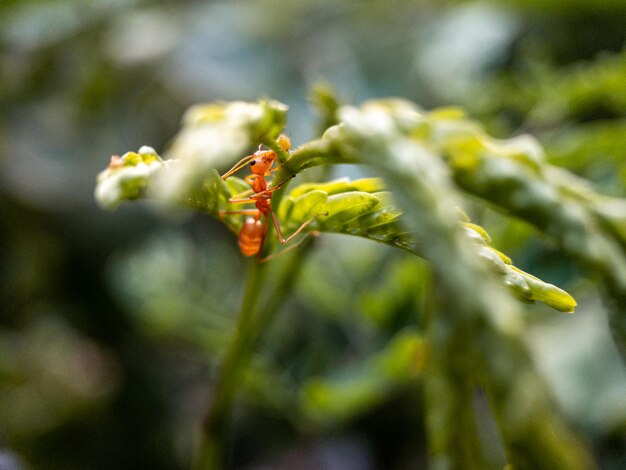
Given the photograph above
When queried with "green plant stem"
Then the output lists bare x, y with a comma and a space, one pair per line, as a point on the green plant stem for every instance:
211, 451
249, 332
284, 285
314, 153
326, 103
451, 424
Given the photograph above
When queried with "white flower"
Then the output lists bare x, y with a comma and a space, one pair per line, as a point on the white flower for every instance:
126, 176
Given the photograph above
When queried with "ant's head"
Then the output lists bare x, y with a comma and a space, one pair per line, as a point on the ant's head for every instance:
262, 162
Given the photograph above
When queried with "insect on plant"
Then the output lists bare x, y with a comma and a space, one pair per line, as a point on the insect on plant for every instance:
254, 230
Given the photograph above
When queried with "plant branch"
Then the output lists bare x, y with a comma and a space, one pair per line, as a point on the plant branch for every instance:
450, 421
216, 423
476, 307
249, 332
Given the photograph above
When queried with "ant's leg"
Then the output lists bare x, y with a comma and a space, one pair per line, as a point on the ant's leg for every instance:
241, 212
249, 179
289, 248
272, 189
238, 197
247, 200
238, 166
294, 234
253, 198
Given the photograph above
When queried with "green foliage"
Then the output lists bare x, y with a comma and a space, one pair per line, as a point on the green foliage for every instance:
81, 80
361, 208
425, 160
60, 379
337, 398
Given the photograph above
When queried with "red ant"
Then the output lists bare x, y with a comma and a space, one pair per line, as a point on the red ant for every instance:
254, 230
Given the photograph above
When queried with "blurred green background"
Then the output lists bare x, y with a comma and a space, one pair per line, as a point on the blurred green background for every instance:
112, 324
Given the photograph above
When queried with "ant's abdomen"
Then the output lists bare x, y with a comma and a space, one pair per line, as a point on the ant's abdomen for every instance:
251, 237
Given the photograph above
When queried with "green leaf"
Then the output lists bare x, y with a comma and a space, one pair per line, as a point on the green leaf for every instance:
549, 294
478, 229
348, 392
376, 217
308, 205
344, 207
342, 185
385, 213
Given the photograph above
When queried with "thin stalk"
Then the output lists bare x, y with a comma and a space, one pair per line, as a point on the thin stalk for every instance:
249, 332
451, 423
284, 285
216, 423
314, 153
